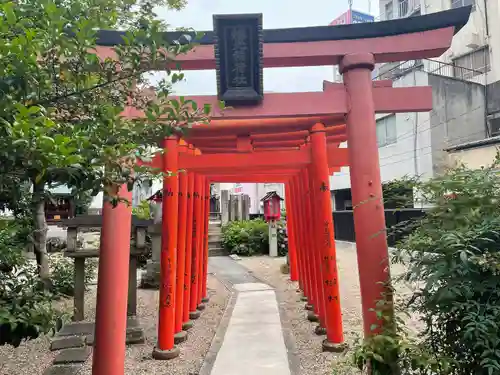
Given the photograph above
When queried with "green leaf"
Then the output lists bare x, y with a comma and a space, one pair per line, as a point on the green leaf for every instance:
207, 108
9, 13
39, 177
150, 115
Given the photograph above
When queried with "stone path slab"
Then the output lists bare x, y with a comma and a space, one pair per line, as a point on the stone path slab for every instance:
229, 270
66, 342
63, 370
76, 355
253, 343
251, 287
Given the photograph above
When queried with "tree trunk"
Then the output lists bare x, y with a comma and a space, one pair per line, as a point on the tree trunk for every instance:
40, 233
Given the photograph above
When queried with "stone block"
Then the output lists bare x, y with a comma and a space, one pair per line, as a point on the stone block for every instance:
89, 340
132, 336
135, 336
76, 329
65, 342
75, 355
63, 370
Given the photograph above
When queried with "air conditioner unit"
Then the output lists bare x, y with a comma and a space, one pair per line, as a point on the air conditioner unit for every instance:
474, 41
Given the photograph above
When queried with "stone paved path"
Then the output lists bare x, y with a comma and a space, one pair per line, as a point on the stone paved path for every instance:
253, 343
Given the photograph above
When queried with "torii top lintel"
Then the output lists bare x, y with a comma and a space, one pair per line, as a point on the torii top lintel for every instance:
403, 39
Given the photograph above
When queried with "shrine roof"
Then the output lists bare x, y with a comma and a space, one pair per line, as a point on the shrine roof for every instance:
271, 195
456, 18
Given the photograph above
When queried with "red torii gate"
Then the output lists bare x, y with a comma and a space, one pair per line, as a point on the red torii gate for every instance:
290, 138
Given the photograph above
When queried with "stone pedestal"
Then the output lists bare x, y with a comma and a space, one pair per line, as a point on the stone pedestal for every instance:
273, 239
152, 276
246, 207
239, 207
224, 198
156, 212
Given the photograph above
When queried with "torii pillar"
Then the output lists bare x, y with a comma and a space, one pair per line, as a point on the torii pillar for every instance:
165, 348
112, 286
366, 187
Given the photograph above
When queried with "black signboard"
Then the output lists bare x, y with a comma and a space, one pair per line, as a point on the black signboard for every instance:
238, 54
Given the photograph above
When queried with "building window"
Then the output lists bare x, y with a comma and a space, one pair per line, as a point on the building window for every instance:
389, 14
463, 3
494, 126
403, 8
472, 64
386, 131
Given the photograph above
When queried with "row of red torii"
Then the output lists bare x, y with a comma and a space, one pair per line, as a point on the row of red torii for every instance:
290, 138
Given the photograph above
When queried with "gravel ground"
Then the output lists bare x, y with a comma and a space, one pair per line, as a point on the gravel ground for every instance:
30, 357
138, 357
33, 357
312, 360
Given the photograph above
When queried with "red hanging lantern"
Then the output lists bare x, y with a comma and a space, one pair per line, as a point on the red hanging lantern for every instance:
272, 206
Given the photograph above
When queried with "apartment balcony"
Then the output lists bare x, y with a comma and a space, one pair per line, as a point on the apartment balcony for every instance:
394, 71
390, 9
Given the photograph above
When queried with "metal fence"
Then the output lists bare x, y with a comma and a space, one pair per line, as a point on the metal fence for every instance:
394, 71
343, 222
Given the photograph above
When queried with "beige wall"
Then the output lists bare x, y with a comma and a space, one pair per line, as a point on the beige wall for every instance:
475, 157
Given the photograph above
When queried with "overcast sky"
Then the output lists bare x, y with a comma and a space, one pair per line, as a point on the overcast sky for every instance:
276, 14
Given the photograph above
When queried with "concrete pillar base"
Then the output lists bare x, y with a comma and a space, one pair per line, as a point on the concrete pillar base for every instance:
320, 331
303, 299
201, 307
187, 325
180, 337
193, 315
205, 300
333, 348
312, 317
309, 307
165, 355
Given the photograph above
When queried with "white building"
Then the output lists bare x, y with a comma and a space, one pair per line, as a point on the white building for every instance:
466, 96
475, 51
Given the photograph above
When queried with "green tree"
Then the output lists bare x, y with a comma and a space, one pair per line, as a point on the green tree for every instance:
451, 258
453, 255
62, 106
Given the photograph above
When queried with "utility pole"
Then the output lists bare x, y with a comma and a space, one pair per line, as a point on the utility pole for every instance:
350, 6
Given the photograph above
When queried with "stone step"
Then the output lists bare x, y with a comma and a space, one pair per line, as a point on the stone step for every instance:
216, 252
66, 337
214, 237
215, 215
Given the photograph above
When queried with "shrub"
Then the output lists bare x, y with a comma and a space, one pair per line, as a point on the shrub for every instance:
142, 211
11, 247
282, 239
26, 309
63, 271
251, 237
453, 257
248, 237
